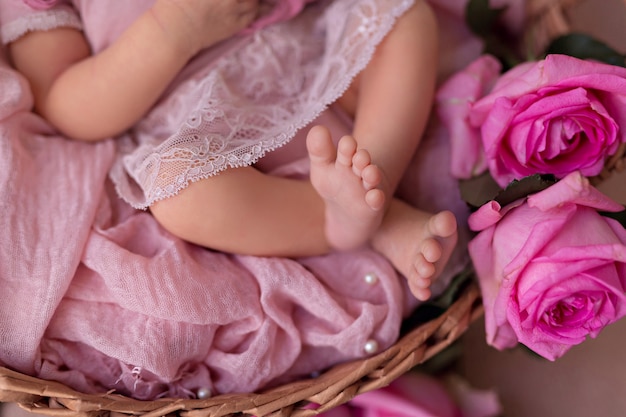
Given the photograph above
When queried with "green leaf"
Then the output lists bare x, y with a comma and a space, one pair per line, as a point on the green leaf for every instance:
481, 18
583, 46
478, 190
523, 188
620, 216
531, 352
485, 22
455, 288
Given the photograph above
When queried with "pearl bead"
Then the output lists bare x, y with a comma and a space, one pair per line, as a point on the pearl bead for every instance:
371, 278
371, 346
204, 393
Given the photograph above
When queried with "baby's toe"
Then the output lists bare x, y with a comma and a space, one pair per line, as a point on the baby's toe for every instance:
442, 224
424, 268
375, 199
371, 177
431, 250
421, 294
361, 160
346, 148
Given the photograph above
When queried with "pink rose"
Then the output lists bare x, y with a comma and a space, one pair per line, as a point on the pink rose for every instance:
455, 99
552, 270
419, 395
41, 4
553, 116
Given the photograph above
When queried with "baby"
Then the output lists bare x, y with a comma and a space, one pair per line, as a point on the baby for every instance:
144, 70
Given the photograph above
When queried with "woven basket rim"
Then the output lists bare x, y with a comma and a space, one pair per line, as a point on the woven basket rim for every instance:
334, 387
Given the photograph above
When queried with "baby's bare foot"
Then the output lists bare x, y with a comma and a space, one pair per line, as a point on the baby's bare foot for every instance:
417, 243
439, 237
347, 181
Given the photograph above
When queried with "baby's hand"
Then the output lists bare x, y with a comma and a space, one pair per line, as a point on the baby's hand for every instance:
199, 24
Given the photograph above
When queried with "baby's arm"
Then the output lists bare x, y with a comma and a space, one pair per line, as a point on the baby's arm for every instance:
92, 97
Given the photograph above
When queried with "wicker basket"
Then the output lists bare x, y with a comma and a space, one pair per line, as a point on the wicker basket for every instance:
546, 19
330, 389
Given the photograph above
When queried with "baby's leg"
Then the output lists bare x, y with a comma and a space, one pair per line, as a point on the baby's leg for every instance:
391, 102
417, 243
345, 179
247, 212
392, 97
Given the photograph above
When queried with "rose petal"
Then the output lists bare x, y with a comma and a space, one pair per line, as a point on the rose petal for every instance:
41, 4
454, 100
412, 395
575, 189
486, 216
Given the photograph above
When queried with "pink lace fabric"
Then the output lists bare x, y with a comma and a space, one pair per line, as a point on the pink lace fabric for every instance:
17, 18
251, 97
21, 16
238, 100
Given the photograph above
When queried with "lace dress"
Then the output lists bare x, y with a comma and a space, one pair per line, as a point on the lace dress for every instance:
235, 102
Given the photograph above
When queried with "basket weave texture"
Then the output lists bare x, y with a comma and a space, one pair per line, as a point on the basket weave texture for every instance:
546, 19
330, 389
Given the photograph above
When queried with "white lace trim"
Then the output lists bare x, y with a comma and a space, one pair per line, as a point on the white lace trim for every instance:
43, 20
215, 134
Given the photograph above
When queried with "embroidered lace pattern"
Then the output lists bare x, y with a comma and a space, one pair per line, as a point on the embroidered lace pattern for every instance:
253, 99
43, 20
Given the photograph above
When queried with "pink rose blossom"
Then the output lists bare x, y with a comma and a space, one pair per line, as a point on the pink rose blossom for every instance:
419, 395
552, 270
41, 4
455, 99
553, 116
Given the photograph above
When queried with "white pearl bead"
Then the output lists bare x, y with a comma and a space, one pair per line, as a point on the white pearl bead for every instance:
371, 346
371, 278
204, 393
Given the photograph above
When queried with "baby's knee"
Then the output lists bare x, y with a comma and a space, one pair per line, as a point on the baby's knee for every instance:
189, 215
201, 213
169, 213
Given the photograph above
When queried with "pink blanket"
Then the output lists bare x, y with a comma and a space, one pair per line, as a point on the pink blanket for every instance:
95, 294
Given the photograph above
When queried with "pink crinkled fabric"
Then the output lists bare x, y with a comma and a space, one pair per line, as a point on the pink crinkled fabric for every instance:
95, 294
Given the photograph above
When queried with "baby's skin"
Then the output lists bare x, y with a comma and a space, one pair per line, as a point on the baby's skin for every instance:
417, 243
